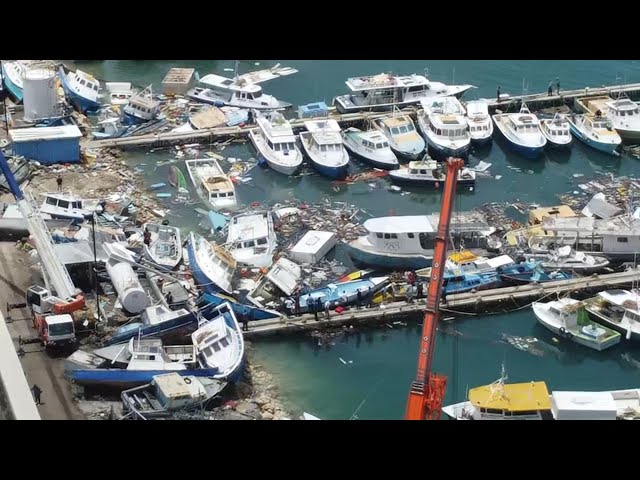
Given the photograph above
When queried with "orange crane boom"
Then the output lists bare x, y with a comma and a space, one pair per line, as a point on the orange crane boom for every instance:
427, 390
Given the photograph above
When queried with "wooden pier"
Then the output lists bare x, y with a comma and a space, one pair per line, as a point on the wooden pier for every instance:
210, 135
498, 299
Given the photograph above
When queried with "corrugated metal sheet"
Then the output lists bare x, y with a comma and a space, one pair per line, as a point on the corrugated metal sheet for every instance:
45, 133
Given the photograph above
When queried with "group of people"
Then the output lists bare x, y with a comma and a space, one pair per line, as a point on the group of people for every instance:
321, 303
549, 90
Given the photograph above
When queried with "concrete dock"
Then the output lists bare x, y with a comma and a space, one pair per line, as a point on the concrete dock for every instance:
38, 367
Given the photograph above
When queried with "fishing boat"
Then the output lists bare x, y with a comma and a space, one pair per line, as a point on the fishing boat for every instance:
13, 73
176, 179
81, 89
252, 239
220, 345
165, 247
522, 131
530, 272
479, 121
617, 309
428, 172
401, 133
118, 93
468, 262
21, 170
214, 187
276, 144
371, 147
407, 242
281, 280
67, 206
595, 131
557, 131
568, 319
567, 259
623, 113
168, 393
503, 401
322, 143
242, 90
443, 123
240, 309
607, 405
141, 108
456, 280
212, 265
386, 91
133, 364
341, 293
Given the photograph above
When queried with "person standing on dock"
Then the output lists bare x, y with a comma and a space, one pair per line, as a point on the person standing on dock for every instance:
244, 318
296, 304
147, 237
289, 307
358, 299
419, 291
557, 86
498, 95
550, 89
36, 394
369, 298
59, 182
313, 306
250, 117
327, 309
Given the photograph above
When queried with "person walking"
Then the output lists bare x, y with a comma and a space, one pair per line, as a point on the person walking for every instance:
59, 182
557, 86
313, 305
36, 394
550, 89
498, 95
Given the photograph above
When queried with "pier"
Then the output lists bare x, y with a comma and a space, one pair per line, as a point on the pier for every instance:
210, 135
497, 299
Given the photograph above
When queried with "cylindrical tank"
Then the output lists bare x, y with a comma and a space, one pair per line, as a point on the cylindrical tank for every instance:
130, 293
40, 95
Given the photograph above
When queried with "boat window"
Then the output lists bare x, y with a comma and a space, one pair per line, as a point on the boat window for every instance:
387, 236
292, 146
379, 235
257, 94
526, 412
216, 347
494, 411
262, 241
395, 131
323, 148
411, 128
413, 172
224, 342
276, 147
385, 145
82, 82
52, 201
393, 235
438, 131
378, 145
623, 239
63, 204
229, 194
249, 244
76, 205
410, 235
403, 129
426, 242
423, 172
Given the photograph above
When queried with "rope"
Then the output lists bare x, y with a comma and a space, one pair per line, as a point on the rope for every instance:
500, 312
354, 414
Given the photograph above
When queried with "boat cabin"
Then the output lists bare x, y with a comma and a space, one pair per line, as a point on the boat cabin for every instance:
396, 126
86, 80
618, 304
517, 401
374, 140
143, 107
232, 88
250, 231
623, 107
277, 132
445, 117
65, 205
325, 135
150, 354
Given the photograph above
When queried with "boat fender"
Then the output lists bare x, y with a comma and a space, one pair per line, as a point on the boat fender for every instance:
187, 381
255, 204
563, 331
218, 103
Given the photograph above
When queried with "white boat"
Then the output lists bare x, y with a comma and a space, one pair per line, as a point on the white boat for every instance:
67, 205
242, 91
596, 132
479, 121
428, 172
213, 267
281, 280
567, 259
13, 73
623, 113
214, 187
407, 242
386, 91
82, 89
371, 147
617, 309
443, 123
141, 108
323, 145
401, 133
119, 93
607, 405
252, 239
165, 247
568, 319
276, 144
557, 131
504, 401
522, 131
219, 343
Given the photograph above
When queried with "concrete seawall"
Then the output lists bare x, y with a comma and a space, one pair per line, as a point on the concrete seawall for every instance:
16, 401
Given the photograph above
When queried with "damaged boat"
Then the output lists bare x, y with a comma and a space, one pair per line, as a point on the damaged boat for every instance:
281, 280
165, 247
252, 239
212, 265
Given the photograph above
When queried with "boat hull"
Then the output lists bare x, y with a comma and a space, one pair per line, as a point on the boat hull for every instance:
81, 103
629, 135
407, 155
388, 261
608, 148
253, 313
205, 283
481, 141
128, 119
15, 91
371, 161
531, 153
337, 172
120, 378
264, 159
599, 318
428, 182
443, 151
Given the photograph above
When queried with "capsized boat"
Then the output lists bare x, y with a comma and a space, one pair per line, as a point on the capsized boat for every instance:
530, 272
165, 247
281, 280
141, 108
214, 187
176, 179
567, 259
13, 74
67, 206
220, 345
568, 319
168, 393
212, 265
133, 364
252, 239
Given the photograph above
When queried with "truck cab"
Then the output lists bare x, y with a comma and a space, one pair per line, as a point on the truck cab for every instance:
55, 330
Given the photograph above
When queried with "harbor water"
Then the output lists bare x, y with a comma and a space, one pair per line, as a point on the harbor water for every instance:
367, 374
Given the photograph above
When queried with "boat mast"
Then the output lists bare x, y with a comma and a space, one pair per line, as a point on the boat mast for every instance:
235, 71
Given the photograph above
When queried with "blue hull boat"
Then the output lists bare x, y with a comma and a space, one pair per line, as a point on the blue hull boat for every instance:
119, 378
81, 103
466, 282
341, 293
129, 120
12, 88
388, 261
523, 273
240, 309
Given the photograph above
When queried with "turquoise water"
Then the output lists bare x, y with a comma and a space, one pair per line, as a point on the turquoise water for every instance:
313, 378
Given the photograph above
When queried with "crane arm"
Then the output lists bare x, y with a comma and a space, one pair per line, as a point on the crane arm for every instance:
427, 390
53, 269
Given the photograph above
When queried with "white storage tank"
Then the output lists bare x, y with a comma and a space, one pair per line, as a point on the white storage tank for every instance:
130, 293
40, 94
